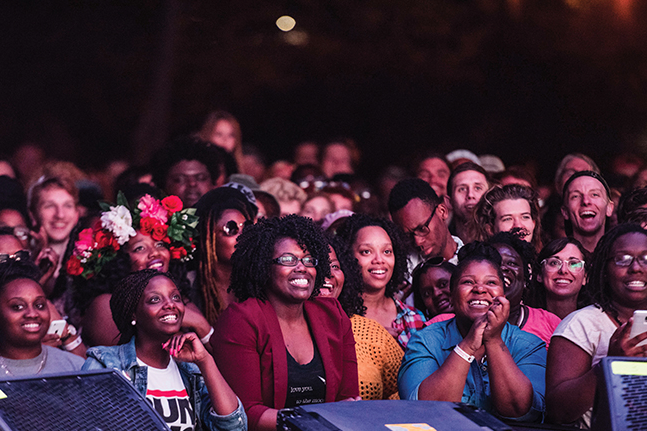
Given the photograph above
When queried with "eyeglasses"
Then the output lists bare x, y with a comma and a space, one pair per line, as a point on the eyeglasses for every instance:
626, 260
231, 228
423, 229
18, 256
292, 260
554, 264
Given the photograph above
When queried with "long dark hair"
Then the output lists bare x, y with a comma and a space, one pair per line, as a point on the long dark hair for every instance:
350, 297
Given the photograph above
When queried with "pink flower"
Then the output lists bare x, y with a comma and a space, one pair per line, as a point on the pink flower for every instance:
172, 203
151, 207
85, 241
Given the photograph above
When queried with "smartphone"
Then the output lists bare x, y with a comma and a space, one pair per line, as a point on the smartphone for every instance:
640, 325
57, 327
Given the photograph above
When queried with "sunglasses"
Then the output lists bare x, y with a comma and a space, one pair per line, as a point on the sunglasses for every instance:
231, 228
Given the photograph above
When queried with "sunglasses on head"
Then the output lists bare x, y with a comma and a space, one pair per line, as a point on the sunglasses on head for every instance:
17, 256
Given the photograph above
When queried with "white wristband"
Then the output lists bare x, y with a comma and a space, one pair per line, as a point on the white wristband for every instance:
463, 354
207, 337
73, 345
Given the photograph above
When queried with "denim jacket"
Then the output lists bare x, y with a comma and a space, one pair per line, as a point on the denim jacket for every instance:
124, 358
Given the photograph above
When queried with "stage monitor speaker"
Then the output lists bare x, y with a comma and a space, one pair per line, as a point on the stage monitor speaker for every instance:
621, 396
389, 415
88, 401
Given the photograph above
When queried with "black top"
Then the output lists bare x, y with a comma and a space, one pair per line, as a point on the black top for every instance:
306, 383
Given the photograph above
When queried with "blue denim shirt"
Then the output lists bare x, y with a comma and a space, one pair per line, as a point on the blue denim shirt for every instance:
429, 348
124, 358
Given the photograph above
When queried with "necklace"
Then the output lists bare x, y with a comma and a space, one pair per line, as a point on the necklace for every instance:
8, 372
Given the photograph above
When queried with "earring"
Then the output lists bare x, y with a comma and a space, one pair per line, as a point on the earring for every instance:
133, 322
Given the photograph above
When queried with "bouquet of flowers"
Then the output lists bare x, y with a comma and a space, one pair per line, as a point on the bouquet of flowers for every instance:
163, 220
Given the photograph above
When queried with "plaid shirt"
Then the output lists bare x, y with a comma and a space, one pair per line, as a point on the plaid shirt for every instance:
407, 322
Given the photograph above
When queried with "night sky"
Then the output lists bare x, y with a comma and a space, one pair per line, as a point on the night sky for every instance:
527, 80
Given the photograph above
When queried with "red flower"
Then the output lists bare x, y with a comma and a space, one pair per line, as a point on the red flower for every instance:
159, 232
102, 239
146, 225
178, 252
172, 204
74, 266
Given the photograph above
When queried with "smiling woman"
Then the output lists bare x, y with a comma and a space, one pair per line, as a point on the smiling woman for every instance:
438, 362
25, 319
282, 346
618, 281
380, 249
169, 368
150, 236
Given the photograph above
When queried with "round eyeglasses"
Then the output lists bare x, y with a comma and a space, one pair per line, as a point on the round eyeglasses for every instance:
292, 260
554, 264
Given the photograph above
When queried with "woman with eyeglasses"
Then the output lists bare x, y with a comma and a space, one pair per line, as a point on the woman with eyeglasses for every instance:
559, 278
223, 213
148, 233
379, 247
617, 277
281, 345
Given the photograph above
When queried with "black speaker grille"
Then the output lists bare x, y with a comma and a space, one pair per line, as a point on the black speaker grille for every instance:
96, 402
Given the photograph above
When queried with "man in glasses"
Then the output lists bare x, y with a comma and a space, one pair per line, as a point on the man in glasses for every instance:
417, 209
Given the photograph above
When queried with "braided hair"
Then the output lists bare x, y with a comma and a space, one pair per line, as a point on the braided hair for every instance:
252, 260
126, 297
350, 297
209, 209
597, 272
348, 232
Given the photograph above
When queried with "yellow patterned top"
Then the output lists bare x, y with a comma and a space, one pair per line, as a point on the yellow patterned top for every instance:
378, 360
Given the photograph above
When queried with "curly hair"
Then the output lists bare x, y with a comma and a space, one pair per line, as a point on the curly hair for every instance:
350, 297
353, 224
485, 214
125, 299
475, 251
536, 295
209, 210
599, 287
631, 203
252, 260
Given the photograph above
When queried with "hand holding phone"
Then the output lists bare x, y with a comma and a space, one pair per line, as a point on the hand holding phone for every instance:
56, 327
639, 325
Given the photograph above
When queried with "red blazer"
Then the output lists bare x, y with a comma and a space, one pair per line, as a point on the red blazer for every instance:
250, 352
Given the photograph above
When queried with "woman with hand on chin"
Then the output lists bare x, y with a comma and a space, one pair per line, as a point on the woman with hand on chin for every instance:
173, 370
282, 346
477, 357
24, 319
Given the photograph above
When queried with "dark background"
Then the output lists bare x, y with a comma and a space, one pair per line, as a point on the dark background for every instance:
529, 80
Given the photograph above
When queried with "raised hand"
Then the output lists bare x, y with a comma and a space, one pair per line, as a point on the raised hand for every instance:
496, 317
186, 348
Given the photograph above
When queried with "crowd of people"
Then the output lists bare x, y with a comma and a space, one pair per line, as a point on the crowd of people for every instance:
227, 290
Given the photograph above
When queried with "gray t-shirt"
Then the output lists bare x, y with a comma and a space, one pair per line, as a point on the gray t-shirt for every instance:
53, 361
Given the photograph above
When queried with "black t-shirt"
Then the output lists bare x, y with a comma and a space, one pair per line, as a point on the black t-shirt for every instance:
306, 383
